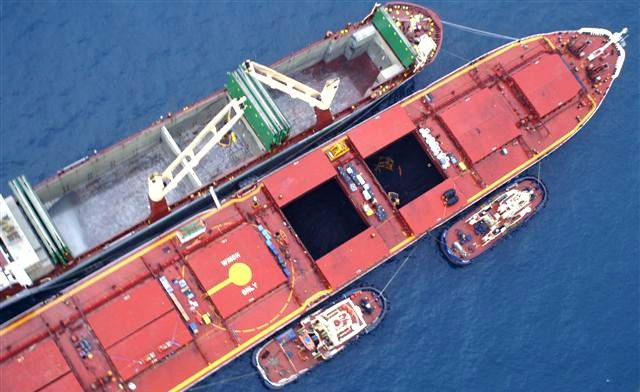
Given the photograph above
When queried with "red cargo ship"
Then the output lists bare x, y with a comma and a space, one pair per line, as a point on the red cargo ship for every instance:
182, 306
319, 337
503, 213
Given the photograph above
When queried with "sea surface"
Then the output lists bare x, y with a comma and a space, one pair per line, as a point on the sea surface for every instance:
553, 308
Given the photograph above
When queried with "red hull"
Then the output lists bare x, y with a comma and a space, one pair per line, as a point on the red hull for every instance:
294, 352
136, 315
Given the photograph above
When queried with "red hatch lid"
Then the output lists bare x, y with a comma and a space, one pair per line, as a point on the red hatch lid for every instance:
547, 83
428, 210
299, 177
68, 383
134, 309
236, 269
352, 258
481, 123
380, 131
142, 349
33, 368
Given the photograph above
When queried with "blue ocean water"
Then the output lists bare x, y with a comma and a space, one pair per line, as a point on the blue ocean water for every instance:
555, 308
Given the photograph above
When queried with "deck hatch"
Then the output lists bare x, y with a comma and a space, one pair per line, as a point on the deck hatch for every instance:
324, 218
481, 123
237, 269
157, 340
557, 87
404, 167
34, 368
135, 309
394, 37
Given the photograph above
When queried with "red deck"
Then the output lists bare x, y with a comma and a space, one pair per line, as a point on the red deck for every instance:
482, 120
559, 86
379, 131
212, 264
21, 370
131, 355
134, 310
498, 117
353, 258
302, 176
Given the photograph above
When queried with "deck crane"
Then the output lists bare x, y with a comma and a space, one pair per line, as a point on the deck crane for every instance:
320, 101
160, 184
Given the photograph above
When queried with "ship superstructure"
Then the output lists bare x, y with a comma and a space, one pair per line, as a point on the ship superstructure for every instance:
188, 302
510, 209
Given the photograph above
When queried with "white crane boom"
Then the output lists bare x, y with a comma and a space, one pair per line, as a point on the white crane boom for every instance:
274, 79
160, 184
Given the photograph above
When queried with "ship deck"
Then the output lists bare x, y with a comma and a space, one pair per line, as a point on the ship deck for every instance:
490, 116
356, 75
114, 199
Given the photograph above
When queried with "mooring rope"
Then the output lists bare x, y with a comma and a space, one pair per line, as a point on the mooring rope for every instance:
229, 379
478, 31
455, 55
398, 270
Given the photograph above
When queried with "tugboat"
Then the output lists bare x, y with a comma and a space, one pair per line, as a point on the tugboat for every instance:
319, 337
468, 238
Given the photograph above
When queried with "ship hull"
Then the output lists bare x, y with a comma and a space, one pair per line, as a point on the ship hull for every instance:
290, 370
314, 226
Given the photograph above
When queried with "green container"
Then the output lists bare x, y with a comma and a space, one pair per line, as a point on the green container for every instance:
265, 118
260, 128
394, 37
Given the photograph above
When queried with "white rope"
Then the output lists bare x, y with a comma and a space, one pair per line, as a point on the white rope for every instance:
478, 31
455, 55
229, 379
398, 270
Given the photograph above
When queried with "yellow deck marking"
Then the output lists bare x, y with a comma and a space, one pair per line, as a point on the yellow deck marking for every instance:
206, 370
284, 306
535, 157
467, 69
116, 267
402, 243
239, 274
550, 43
